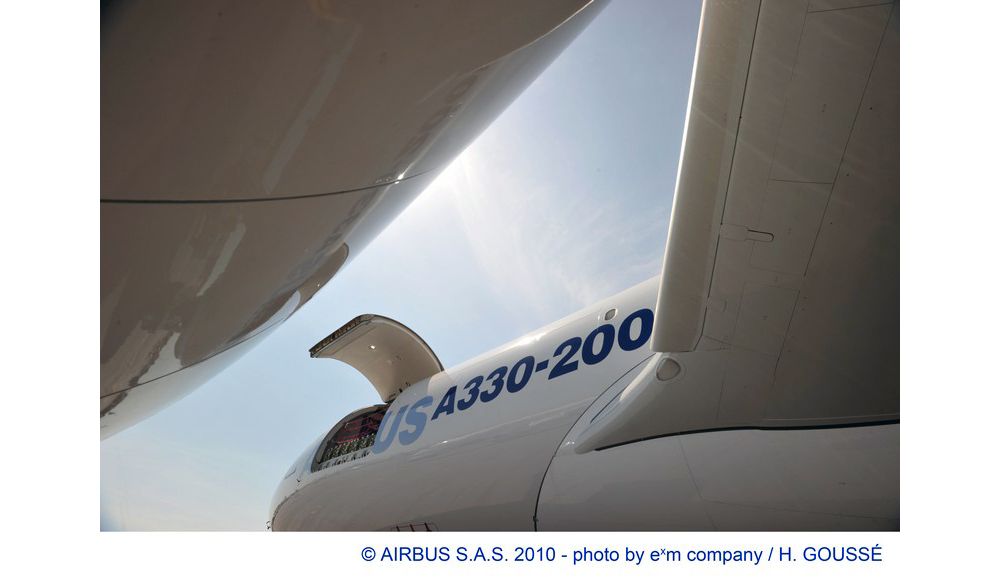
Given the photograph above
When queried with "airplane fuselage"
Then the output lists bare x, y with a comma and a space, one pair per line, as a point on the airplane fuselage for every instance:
489, 445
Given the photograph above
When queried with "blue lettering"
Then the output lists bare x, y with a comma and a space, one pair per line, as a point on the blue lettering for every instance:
625, 340
415, 419
382, 442
447, 404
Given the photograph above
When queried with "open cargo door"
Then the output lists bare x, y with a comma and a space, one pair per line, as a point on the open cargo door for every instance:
390, 355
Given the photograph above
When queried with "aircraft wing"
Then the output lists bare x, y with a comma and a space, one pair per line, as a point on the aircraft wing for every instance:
250, 151
784, 236
778, 304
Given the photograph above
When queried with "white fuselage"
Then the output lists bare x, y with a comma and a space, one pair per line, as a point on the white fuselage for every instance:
488, 445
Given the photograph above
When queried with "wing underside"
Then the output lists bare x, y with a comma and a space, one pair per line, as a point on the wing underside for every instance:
784, 238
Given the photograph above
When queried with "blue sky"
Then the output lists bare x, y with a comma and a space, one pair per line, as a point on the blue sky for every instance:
562, 201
